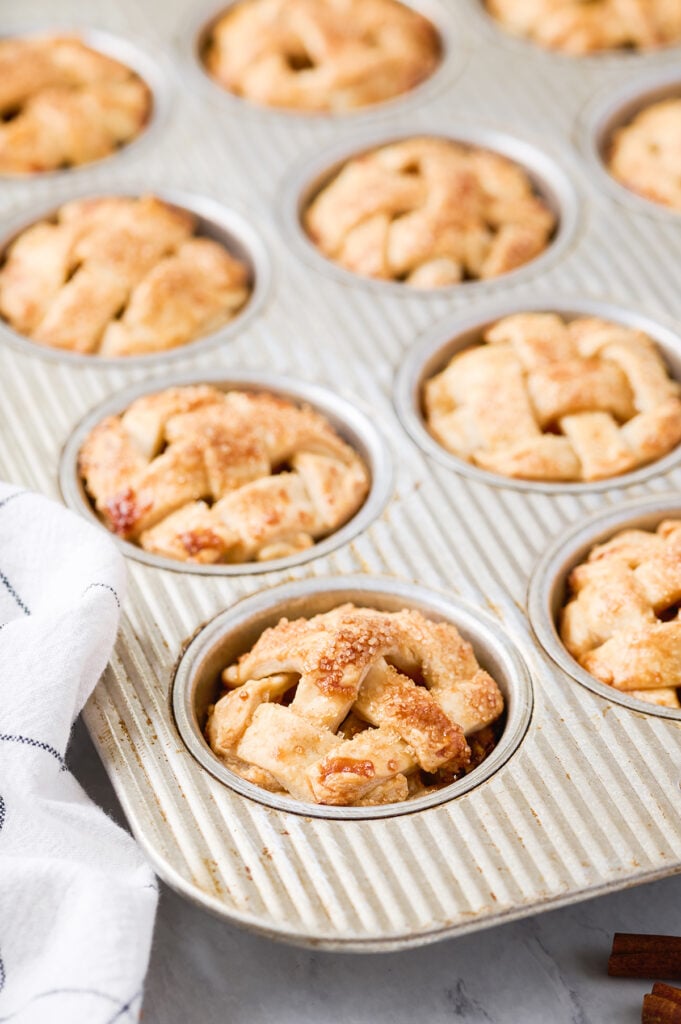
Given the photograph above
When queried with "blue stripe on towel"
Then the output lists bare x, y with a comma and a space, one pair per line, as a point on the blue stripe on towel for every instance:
11, 497
106, 587
8, 586
124, 1007
30, 742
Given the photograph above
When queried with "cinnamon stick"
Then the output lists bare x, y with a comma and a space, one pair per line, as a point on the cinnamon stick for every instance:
667, 992
657, 1010
645, 956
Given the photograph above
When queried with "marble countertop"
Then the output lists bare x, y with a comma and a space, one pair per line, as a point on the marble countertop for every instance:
548, 969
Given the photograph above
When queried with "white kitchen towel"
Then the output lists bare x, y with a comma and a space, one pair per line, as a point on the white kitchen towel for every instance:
77, 899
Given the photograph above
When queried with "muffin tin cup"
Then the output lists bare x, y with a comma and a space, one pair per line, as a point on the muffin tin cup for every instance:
349, 421
453, 58
310, 176
148, 68
548, 587
213, 221
494, 31
611, 110
196, 681
462, 330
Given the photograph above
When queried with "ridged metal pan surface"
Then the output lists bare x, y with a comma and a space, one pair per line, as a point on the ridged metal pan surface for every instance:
590, 799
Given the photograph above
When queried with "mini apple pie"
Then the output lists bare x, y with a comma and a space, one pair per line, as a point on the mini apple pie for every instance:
429, 212
321, 55
621, 621
202, 475
541, 398
117, 276
645, 155
590, 26
356, 706
63, 104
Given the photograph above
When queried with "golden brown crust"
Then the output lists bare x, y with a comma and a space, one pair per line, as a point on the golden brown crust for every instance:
621, 619
370, 699
429, 212
645, 155
117, 276
321, 55
578, 28
545, 399
202, 475
63, 104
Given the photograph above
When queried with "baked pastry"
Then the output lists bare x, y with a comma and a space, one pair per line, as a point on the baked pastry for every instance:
429, 212
621, 620
202, 475
63, 104
589, 26
645, 155
545, 399
355, 706
321, 55
118, 276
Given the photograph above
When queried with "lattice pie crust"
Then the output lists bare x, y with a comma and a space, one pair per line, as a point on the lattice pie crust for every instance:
321, 55
590, 26
621, 621
116, 276
545, 399
198, 474
356, 706
63, 104
645, 155
429, 212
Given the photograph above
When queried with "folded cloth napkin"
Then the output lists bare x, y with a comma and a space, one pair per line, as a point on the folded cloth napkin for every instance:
77, 899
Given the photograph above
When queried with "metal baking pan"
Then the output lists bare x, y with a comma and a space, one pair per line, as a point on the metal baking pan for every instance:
589, 800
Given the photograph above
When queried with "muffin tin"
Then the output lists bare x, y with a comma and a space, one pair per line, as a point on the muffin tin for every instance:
588, 801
